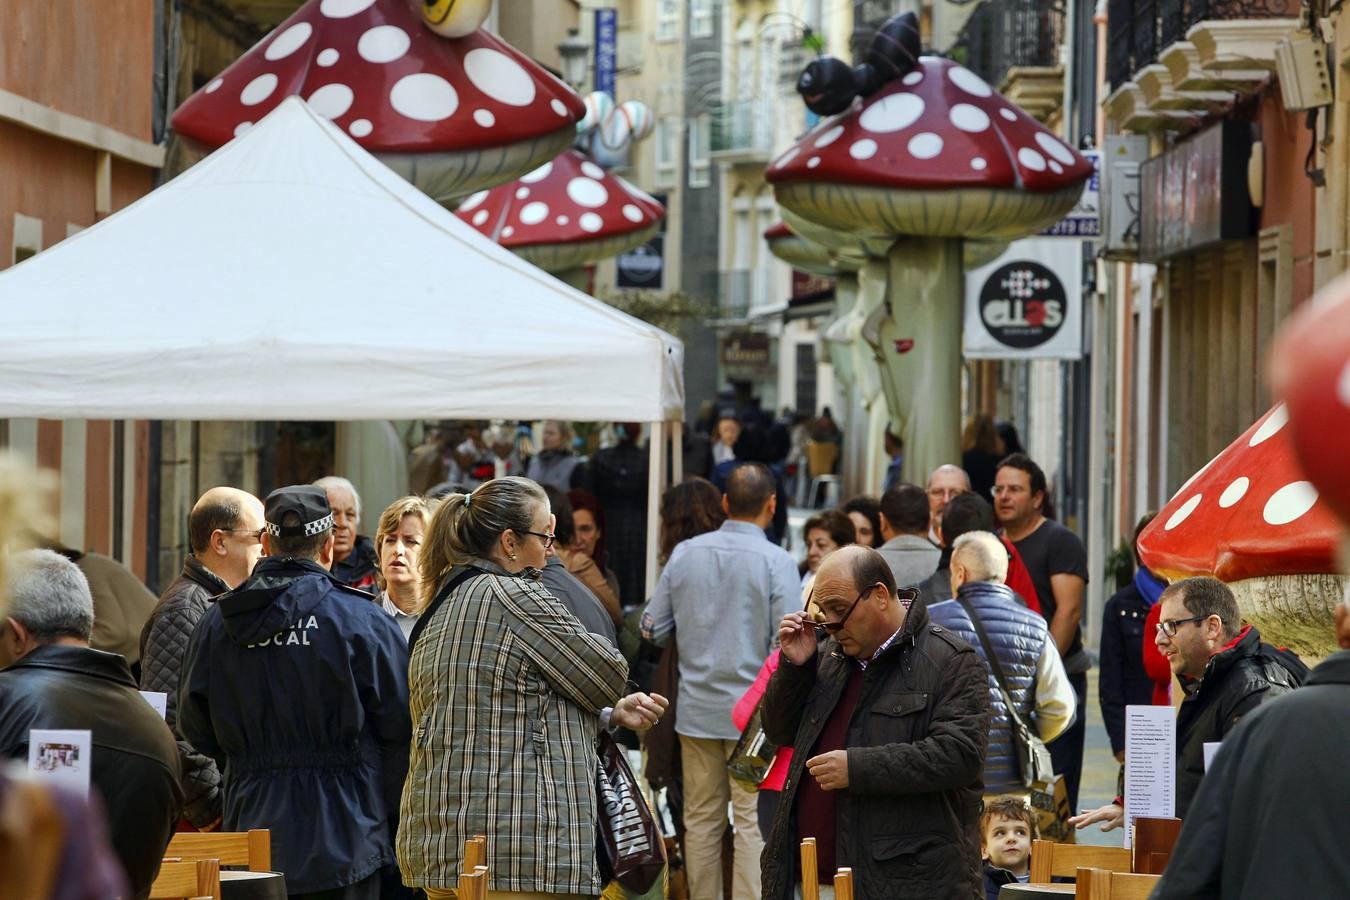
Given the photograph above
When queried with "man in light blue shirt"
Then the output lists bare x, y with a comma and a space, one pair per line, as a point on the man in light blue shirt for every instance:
723, 592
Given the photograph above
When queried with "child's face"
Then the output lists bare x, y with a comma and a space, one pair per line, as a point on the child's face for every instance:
1007, 844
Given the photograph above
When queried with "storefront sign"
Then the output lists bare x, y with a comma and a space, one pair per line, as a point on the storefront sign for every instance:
642, 267
745, 350
1121, 198
1196, 194
1084, 220
806, 286
1027, 304
606, 49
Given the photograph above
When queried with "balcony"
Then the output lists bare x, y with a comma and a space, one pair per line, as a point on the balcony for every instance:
742, 132
1171, 63
1015, 46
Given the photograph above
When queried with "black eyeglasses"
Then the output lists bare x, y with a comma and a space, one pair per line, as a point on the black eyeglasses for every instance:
910, 594
548, 539
1169, 627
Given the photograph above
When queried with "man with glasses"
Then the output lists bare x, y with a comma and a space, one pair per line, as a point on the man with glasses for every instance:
722, 594
1225, 671
888, 717
225, 541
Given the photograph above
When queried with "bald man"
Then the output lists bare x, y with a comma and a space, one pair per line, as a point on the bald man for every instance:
945, 483
225, 537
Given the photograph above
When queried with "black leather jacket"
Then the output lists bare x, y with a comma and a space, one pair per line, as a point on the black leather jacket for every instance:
1237, 679
908, 823
135, 759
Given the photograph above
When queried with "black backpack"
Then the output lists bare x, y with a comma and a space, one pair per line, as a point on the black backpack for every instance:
1282, 666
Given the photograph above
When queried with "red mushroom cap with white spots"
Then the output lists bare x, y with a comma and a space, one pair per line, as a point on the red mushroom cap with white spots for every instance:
1250, 512
935, 153
1310, 369
488, 111
565, 214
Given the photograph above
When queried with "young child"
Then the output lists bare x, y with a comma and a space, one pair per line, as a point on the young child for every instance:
1007, 829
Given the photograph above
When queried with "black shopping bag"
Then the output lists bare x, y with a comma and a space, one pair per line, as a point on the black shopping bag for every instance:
630, 846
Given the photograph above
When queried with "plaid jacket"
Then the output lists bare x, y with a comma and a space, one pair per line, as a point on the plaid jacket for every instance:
505, 690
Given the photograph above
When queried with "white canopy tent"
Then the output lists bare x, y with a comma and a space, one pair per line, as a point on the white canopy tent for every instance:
291, 275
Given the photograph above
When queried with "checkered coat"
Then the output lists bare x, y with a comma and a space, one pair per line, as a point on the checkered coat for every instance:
505, 688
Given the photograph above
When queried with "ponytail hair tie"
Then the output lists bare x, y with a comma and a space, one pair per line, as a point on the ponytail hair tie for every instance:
468, 498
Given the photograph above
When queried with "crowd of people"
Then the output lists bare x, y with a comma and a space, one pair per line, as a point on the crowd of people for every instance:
376, 700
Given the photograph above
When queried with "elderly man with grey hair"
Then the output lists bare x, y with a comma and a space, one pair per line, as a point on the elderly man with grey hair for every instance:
355, 559
945, 482
1269, 817
53, 679
1025, 653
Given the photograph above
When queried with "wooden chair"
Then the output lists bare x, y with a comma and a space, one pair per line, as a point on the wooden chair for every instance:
197, 880
1051, 860
473, 879
1154, 838
843, 884
252, 849
810, 882
1100, 884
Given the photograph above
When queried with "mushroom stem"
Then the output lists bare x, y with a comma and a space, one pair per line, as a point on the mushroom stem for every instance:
841, 351
923, 384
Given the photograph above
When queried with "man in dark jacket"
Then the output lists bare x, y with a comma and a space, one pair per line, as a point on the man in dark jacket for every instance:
1267, 819
1225, 671
888, 719
297, 686
225, 537
55, 680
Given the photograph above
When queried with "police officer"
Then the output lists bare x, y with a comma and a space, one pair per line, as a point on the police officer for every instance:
297, 686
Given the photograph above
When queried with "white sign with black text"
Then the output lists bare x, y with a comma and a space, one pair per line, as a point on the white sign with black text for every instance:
1028, 303
1150, 763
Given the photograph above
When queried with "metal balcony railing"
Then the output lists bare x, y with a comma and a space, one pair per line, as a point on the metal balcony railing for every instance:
1138, 30
1006, 34
745, 126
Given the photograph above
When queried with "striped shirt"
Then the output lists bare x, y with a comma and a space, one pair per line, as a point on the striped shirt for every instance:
505, 689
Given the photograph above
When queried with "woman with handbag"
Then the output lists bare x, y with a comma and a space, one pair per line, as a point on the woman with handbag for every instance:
506, 690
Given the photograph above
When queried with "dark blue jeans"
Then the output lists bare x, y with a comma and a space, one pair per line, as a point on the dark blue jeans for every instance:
1066, 751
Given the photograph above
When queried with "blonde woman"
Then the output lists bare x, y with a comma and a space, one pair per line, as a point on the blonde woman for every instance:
398, 544
506, 691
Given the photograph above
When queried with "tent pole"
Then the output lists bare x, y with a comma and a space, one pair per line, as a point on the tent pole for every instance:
655, 458
676, 452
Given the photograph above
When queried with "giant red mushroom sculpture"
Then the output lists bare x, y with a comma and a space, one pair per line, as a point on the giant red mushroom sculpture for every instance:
565, 215
1252, 518
450, 114
927, 159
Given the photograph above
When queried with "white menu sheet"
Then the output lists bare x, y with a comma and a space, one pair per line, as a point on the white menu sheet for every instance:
61, 757
1150, 763
158, 700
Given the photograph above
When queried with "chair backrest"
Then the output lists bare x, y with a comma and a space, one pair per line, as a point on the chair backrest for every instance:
196, 880
1051, 860
475, 853
810, 878
473, 885
1101, 884
233, 848
1154, 838
843, 884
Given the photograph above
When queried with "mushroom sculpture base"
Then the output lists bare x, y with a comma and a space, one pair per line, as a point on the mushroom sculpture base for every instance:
919, 343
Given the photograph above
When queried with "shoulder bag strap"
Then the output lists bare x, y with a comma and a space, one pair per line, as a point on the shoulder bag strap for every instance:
434, 605
994, 665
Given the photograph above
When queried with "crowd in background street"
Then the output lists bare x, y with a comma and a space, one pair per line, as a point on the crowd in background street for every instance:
375, 700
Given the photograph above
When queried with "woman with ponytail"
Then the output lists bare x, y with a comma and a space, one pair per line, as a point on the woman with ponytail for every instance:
506, 690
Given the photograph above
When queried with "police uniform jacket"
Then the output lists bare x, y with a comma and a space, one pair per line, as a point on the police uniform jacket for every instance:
297, 686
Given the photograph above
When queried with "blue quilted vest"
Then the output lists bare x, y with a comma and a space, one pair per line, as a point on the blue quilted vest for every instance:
1018, 636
